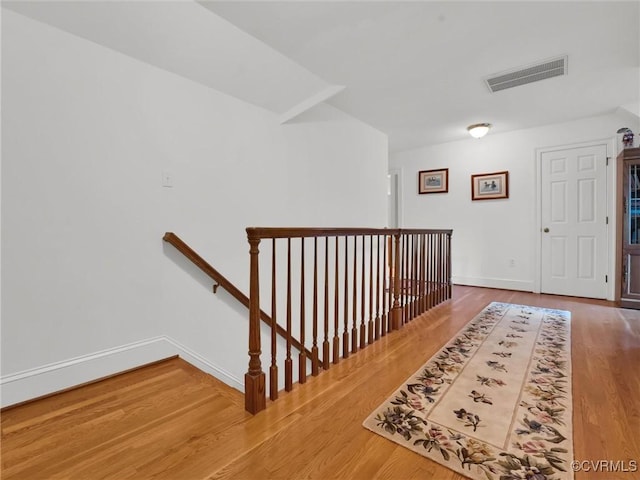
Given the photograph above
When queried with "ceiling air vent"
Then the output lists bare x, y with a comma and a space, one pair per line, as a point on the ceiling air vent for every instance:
531, 73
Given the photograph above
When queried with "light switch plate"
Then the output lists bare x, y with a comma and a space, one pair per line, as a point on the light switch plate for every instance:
167, 179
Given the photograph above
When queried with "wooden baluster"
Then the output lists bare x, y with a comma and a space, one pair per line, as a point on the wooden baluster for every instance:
427, 267
416, 269
392, 275
400, 273
325, 343
409, 276
439, 268
426, 271
423, 276
396, 309
418, 274
354, 308
345, 333
445, 264
418, 297
412, 309
405, 276
445, 282
418, 279
377, 323
444, 267
302, 356
273, 370
315, 366
254, 380
449, 274
336, 306
370, 325
443, 261
386, 241
363, 333
432, 285
288, 363
435, 270
434, 266
440, 273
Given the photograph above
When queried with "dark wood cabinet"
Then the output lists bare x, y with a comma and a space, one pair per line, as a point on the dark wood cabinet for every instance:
628, 229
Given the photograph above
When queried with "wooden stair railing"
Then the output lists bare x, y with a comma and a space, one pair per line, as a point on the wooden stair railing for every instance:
222, 281
392, 275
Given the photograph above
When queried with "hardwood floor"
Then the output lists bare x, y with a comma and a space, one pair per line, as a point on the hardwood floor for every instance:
172, 421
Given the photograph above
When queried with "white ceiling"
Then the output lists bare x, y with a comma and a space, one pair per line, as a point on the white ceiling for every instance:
186, 39
414, 70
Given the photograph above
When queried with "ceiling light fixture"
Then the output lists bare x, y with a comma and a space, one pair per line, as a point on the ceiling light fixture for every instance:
478, 130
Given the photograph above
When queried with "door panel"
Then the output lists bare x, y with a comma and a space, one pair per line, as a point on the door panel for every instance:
573, 213
587, 258
558, 257
586, 200
558, 202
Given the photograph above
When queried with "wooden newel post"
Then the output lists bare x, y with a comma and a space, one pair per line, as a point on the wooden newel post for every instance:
254, 379
396, 309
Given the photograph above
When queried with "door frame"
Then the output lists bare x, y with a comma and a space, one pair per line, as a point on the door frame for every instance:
611, 210
396, 172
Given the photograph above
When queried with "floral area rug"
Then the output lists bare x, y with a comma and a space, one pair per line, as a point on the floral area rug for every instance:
495, 402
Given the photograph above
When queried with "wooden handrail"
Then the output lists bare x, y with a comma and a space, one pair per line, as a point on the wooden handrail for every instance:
223, 282
307, 232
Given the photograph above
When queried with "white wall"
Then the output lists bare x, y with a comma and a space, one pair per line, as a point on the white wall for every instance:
87, 133
488, 235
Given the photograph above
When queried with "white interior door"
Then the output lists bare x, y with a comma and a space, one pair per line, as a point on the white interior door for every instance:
574, 223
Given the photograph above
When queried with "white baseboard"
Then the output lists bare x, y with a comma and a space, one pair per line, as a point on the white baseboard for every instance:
205, 365
501, 283
40, 381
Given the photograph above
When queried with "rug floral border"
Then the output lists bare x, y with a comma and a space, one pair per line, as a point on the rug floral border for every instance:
542, 444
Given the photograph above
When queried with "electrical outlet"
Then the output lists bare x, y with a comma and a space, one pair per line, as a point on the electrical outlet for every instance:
512, 262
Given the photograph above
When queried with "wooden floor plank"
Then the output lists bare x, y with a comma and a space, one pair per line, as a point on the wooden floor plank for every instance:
171, 421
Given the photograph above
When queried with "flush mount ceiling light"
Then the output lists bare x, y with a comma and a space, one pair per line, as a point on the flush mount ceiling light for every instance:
478, 130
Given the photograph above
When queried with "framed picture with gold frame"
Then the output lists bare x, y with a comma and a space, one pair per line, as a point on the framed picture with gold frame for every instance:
433, 181
490, 186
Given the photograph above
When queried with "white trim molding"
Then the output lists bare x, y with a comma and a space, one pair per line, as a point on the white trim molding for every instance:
54, 377
396, 172
501, 283
206, 366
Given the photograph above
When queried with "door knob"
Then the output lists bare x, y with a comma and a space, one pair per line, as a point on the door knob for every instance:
546, 230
